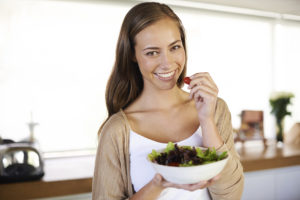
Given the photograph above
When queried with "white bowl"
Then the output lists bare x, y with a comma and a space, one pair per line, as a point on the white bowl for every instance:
192, 174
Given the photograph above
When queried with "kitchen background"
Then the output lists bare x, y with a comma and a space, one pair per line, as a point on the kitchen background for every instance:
56, 56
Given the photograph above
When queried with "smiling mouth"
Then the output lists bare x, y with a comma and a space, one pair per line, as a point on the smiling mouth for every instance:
165, 76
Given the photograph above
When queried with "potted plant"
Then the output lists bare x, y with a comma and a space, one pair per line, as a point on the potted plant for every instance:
279, 102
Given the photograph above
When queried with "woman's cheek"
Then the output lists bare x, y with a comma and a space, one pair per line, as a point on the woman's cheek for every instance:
182, 58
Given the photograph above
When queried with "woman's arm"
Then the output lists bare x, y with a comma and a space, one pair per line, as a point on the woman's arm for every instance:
110, 175
215, 121
231, 183
151, 190
204, 91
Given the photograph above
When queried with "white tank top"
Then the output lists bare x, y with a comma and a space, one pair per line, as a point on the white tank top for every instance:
142, 172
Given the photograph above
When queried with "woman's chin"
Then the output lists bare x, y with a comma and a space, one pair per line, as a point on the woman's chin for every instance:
168, 85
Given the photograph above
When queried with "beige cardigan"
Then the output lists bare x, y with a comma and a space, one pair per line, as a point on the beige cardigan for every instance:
112, 179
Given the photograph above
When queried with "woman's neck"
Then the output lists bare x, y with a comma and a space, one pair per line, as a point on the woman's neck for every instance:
153, 99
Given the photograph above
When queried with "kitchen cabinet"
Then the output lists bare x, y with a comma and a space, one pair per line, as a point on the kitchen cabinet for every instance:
274, 184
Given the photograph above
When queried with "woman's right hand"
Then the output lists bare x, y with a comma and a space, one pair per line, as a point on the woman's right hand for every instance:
159, 181
153, 189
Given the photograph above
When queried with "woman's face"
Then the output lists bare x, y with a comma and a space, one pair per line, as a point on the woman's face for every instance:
160, 54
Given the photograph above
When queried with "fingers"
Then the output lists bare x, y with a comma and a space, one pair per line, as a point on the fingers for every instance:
157, 179
203, 77
200, 185
192, 187
196, 186
217, 177
202, 86
202, 91
160, 181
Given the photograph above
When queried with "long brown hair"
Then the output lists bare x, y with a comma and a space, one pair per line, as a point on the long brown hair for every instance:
126, 82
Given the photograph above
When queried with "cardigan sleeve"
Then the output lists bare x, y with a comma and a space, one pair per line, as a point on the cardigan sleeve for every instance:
231, 182
110, 180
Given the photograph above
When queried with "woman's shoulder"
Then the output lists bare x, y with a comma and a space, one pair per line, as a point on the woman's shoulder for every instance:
114, 124
116, 118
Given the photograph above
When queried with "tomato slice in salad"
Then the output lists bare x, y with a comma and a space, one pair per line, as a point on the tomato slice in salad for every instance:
176, 164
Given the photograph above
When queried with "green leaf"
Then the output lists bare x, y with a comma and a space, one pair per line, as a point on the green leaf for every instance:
187, 147
153, 155
188, 164
199, 152
222, 155
206, 152
213, 154
170, 147
207, 162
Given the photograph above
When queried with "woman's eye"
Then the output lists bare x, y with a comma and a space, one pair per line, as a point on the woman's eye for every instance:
176, 47
152, 53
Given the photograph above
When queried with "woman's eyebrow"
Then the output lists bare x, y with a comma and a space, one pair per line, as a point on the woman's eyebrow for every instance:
174, 42
151, 48
155, 48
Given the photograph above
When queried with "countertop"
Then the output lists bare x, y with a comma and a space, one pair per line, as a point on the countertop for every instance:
73, 175
63, 176
254, 156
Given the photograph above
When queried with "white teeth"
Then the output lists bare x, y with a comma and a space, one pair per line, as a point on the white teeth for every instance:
166, 75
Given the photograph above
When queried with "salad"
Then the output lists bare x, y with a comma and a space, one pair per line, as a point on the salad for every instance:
184, 156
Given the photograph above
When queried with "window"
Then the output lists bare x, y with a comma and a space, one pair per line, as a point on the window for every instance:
55, 60
236, 51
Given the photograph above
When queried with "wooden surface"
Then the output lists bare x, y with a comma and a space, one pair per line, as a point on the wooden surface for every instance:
63, 176
254, 156
41, 189
73, 175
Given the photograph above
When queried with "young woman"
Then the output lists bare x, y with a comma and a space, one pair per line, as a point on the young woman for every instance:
147, 108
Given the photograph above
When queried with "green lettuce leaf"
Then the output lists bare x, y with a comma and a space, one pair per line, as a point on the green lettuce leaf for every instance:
170, 147
154, 154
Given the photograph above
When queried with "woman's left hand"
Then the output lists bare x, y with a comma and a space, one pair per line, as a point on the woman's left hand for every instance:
205, 92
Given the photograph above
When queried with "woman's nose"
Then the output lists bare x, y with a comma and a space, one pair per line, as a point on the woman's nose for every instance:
166, 60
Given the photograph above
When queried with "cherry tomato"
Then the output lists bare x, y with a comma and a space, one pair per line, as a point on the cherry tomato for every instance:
175, 164
187, 80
